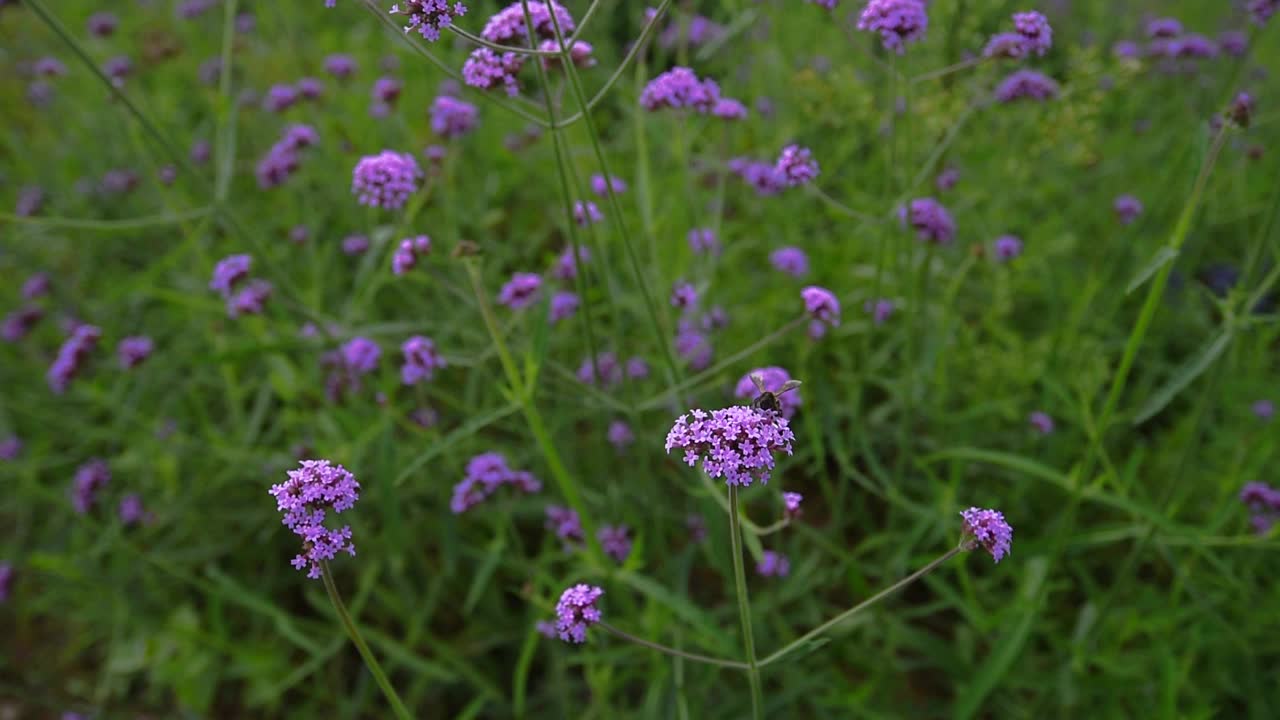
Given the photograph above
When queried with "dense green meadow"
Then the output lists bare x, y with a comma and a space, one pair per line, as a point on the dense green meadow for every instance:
1057, 299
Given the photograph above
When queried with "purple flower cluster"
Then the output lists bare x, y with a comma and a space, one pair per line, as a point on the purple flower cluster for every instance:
987, 529
385, 92
763, 176
735, 443
311, 492
680, 88
230, 272
521, 291
30, 201
1127, 208
7, 574
102, 24
429, 17
683, 295
451, 117
586, 213
697, 32
1263, 409
360, 356
20, 322
340, 65
486, 473
386, 180
421, 360
1041, 421
899, 22
89, 480
507, 25
567, 526
1007, 247
405, 258
790, 260
606, 362
1034, 29
931, 221
132, 351
791, 504
566, 268
563, 305
580, 53
796, 166
282, 161
821, 304
280, 97
1026, 85
615, 541
72, 356
577, 611
1262, 10
773, 378
131, 510
693, 345
773, 564
355, 244
704, 240
10, 448
1263, 502
486, 69
620, 435
601, 186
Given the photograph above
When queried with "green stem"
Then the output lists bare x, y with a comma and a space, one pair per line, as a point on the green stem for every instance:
672, 651
499, 47
369, 660
803, 639
109, 225
744, 605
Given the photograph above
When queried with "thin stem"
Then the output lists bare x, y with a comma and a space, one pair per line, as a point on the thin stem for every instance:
799, 642
499, 47
369, 660
747, 524
744, 605
839, 206
672, 651
582, 24
943, 72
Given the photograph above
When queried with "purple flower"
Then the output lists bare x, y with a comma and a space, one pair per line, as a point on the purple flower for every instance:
693, 346
567, 265
1026, 85
429, 17
683, 295
1264, 409
546, 629
360, 355
310, 88
486, 473
420, 360
729, 109
580, 53
1127, 208
899, 22
407, 253
451, 117
298, 234
245, 22
607, 365
30, 201
988, 529
1233, 43
1260, 497
773, 564
791, 504
563, 305
521, 291
49, 67
425, 417
7, 574
132, 351
340, 65
586, 213
796, 166
566, 524
507, 25
614, 540
821, 304
119, 181
467, 494
600, 186
736, 443
355, 244
309, 494
637, 368
704, 240
1262, 10
880, 310
10, 448
947, 179
620, 435
763, 176
228, 272
1125, 49
1242, 109
72, 356
386, 180
131, 510
250, 300
486, 70
386, 90
1034, 28
1007, 247
773, 378
280, 98
102, 24
89, 480
490, 469
790, 260
577, 611
1006, 45
1041, 421
1164, 28
930, 220
19, 322
277, 166
680, 88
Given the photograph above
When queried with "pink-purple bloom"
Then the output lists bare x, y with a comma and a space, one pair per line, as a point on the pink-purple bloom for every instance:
1264, 409
131, 510
773, 378
386, 180
931, 221
132, 351
7, 574
880, 310
791, 504
704, 240
773, 564
310, 493
790, 260
680, 88
563, 305
1263, 502
566, 524
821, 304
1034, 29
736, 443
620, 435
987, 529
405, 258
72, 357
1007, 247
1026, 85
1262, 10
606, 363
102, 24
429, 17
899, 22
600, 186
451, 117
89, 480
251, 299
796, 166
485, 474
10, 448
507, 25
355, 244
615, 541
1164, 28
486, 69
20, 322
576, 611
567, 264
340, 65
421, 360
521, 291
360, 355
1127, 208
586, 213
683, 295
1041, 421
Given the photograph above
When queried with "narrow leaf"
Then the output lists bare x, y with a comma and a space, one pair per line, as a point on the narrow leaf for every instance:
1184, 376
1162, 257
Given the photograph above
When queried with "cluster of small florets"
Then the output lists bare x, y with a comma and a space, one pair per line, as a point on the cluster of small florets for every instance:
580, 53
683, 295
507, 26
899, 22
429, 17
566, 268
616, 541
451, 117
1127, 208
72, 357
1262, 10
763, 176
790, 260
311, 492
680, 88
486, 473
791, 504
773, 564
601, 185
1041, 422
773, 378
1263, 502
577, 611
931, 221
586, 213
1007, 247
796, 166
564, 303
566, 525
880, 309
821, 304
88, 483
340, 65
421, 360
486, 69
7, 574
20, 322
405, 258
1032, 35
605, 370
620, 435
986, 529
10, 448
1026, 85
252, 295
131, 510
133, 351
383, 96
281, 161
735, 443
386, 180
704, 241
695, 32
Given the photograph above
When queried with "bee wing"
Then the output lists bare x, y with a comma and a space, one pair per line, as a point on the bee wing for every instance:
787, 386
759, 383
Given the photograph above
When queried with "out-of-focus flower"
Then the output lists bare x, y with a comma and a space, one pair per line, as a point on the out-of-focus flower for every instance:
791, 504
620, 435
615, 541
880, 310
451, 117
340, 65
1164, 28
790, 260
821, 304
72, 356
580, 53
563, 304
10, 448
521, 291
486, 69
704, 240
1127, 208
20, 322
102, 24
683, 295
421, 360
899, 22
680, 88
1027, 85
606, 362
131, 510
567, 526
567, 264
1264, 409
773, 378
601, 187
132, 351
796, 165
88, 482
931, 221
1007, 247
773, 564
355, 244
360, 355
405, 258
1041, 421
586, 213
1034, 28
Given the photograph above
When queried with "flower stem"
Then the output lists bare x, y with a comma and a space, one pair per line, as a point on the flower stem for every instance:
369, 660
803, 639
744, 605
672, 651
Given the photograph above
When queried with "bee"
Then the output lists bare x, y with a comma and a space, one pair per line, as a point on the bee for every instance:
769, 400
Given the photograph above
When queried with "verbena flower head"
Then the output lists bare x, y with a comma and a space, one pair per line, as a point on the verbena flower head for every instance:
773, 564
791, 504
1034, 28
10, 448
1127, 208
280, 98
693, 345
683, 295
355, 244
429, 17
796, 166
89, 480
310, 493
1262, 10
586, 213
614, 540
704, 240
1233, 43
680, 88
360, 355
1125, 49
132, 351
1006, 45
821, 304
1008, 247
735, 443
763, 176
600, 186
1026, 85
1264, 409
790, 260
451, 117
251, 299
637, 368
310, 88
580, 53
340, 65
567, 264
20, 322
566, 524
577, 611
931, 221
30, 201
1164, 28
1041, 421
620, 435
298, 234
563, 305
486, 473
1242, 109
131, 509
72, 357
386, 90
899, 22
49, 67
986, 529
486, 69
773, 378
507, 25
7, 574
102, 24
405, 258
947, 179
421, 360
610, 372
521, 291
386, 180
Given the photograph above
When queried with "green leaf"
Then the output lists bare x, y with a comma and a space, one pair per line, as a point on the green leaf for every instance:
1163, 256
484, 574
1184, 376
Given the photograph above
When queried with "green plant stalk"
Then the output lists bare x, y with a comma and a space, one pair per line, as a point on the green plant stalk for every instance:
744, 605
370, 661
110, 225
803, 639
673, 651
